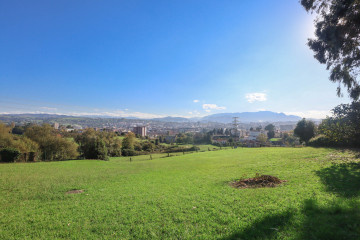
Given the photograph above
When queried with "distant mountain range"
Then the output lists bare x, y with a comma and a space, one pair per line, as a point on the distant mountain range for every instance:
261, 116
244, 117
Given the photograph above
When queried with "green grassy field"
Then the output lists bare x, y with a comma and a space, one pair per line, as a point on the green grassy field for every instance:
184, 197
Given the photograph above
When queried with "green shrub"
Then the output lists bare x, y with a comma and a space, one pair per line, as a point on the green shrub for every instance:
128, 152
320, 141
194, 148
9, 154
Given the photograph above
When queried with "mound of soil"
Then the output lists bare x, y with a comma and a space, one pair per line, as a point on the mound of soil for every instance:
258, 182
74, 191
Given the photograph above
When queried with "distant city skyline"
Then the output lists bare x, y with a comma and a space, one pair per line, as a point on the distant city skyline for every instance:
151, 59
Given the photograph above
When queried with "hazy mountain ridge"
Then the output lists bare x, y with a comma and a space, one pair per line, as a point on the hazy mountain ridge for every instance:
261, 116
244, 117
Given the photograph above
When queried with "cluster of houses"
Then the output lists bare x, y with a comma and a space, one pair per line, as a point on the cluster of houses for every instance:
242, 136
250, 137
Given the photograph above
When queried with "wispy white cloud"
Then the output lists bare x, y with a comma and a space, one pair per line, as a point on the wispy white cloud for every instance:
207, 110
196, 101
252, 97
208, 106
48, 108
318, 114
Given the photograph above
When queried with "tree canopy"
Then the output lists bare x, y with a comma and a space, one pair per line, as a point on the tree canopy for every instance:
343, 129
337, 40
305, 130
271, 130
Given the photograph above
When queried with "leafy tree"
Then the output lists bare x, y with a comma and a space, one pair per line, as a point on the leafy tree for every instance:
51, 144
343, 128
93, 144
261, 138
114, 149
18, 130
147, 146
305, 130
289, 139
128, 145
137, 146
271, 130
101, 151
337, 41
182, 138
21, 143
112, 143
128, 141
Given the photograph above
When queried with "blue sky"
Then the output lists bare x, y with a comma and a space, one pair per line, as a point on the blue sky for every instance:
160, 58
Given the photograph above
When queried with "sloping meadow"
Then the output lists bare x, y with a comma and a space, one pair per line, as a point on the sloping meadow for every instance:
185, 197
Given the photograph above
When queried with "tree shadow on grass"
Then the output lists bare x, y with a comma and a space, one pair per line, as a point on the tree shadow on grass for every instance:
342, 179
337, 220
333, 222
264, 228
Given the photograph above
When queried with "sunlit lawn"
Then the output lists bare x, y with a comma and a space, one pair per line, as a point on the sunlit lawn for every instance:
184, 197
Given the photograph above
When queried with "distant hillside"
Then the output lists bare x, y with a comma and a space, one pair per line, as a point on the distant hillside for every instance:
262, 116
244, 117
171, 119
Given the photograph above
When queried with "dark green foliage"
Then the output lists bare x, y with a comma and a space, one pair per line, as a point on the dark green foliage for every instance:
9, 155
343, 129
337, 41
98, 145
129, 141
184, 138
94, 148
22, 143
271, 130
289, 139
175, 148
128, 152
147, 146
91, 145
114, 148
320, 141
52, 145
305, 130
101, 150
18, 130
194, 148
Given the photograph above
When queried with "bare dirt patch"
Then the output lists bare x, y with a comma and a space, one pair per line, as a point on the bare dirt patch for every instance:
75, 191
257, 182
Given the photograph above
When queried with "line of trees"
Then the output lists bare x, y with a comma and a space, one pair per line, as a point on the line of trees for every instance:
44, 143
340, 130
